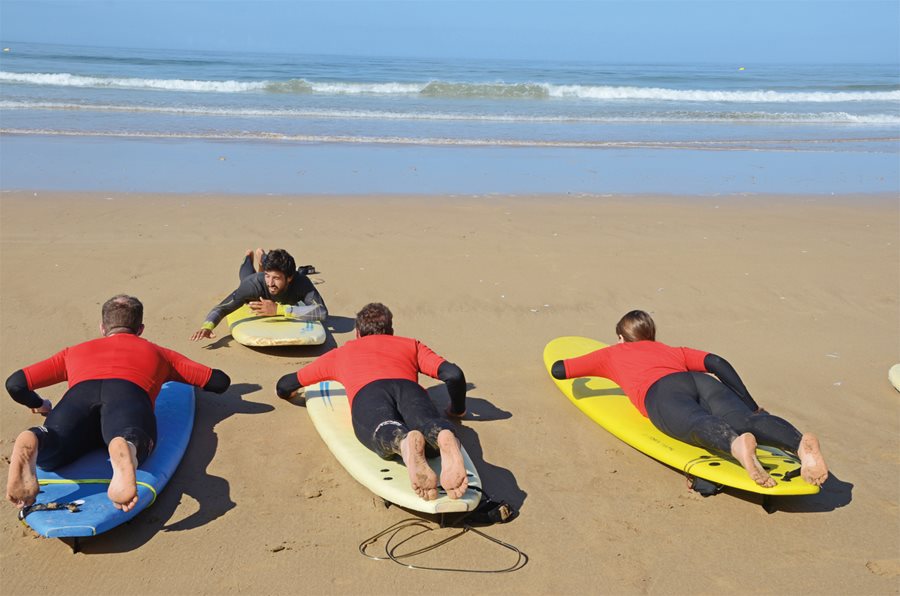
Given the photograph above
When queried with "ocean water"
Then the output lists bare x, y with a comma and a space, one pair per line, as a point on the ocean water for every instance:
86, 118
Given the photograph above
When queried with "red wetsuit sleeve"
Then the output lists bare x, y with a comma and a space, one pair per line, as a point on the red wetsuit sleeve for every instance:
589, 365
322, 369
693, 359
185, 370
47, 372
427, 360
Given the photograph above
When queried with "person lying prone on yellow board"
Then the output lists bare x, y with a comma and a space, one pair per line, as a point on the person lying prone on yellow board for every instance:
669, 386
279, 288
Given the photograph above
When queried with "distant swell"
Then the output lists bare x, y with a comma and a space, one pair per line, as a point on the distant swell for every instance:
445, 89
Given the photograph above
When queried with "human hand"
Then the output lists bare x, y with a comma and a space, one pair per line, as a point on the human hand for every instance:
44, 409
299, 392
203, 334
263, 307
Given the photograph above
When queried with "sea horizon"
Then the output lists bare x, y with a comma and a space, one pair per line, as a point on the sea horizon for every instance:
101, 118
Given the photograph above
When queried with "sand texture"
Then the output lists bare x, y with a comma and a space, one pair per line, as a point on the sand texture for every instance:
799, 293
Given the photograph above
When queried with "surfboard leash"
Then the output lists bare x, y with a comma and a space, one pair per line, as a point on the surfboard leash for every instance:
72, 506
393, 543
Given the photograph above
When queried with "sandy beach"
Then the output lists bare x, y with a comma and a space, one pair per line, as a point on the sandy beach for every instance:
800, 293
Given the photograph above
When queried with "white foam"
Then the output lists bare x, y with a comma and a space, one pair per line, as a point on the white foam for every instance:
70, 80
354, 114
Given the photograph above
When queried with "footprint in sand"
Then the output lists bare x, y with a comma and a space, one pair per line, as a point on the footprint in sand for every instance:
884, 567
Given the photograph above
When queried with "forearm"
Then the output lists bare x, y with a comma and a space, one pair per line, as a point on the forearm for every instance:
287, 386
558, 370
455, 380
303, 312
218, 382
729, 377
222, 309
17, 387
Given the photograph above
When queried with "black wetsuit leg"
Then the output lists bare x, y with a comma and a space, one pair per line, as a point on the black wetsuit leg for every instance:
700, 410
247, 267
719, 400
674, 406
385, 411
91, 414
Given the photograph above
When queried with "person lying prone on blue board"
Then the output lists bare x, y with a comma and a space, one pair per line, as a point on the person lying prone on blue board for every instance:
391, 413
113, 383
279, 288
668, 385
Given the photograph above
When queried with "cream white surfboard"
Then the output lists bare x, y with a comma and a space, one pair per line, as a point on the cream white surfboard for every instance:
329, 410
250, 329
894, 376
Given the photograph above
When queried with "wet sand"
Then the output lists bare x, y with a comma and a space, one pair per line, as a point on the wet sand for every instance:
799, 293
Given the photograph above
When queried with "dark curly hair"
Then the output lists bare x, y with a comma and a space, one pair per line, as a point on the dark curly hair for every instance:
279, 260
374, 319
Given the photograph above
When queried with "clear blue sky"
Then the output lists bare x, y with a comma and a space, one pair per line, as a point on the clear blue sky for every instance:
733, 31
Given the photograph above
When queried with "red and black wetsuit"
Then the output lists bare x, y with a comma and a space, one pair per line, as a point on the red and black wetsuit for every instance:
113, 384
667, 385
380, 373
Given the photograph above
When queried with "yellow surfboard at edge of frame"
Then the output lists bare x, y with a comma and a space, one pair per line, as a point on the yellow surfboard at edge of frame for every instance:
604, 402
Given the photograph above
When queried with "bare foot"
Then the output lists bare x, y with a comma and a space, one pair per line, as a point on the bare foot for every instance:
453, 469
123, 486
743, 449
260, 254
21, 484
421, 476
812, 464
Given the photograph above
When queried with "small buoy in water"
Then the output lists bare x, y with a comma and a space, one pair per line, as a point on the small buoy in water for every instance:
741, 68
221, 159
5, 49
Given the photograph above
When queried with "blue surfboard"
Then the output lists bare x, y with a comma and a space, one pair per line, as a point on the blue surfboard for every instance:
85, 481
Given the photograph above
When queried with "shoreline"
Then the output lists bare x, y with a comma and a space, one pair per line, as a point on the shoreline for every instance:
798, 292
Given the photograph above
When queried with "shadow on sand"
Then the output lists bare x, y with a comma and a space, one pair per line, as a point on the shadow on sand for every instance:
499, 483
191, 478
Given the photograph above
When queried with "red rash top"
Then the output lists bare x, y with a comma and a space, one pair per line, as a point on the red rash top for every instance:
120, 356
372, 358
635, 366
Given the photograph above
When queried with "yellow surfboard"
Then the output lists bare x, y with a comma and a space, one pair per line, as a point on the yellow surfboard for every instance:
250, 329
605, 403
329, 409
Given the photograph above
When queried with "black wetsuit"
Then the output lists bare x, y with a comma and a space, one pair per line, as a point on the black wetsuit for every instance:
300, 291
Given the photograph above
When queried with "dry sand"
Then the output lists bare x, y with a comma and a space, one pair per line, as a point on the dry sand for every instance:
799, 293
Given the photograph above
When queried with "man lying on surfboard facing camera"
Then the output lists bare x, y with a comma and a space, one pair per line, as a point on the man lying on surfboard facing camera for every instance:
279, 288
391, 413
668, 386
113, 384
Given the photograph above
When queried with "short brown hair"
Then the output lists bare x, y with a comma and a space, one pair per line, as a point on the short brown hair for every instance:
123, 312
374, 319
636, 325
